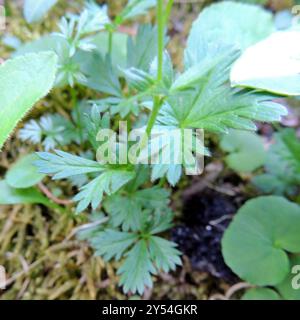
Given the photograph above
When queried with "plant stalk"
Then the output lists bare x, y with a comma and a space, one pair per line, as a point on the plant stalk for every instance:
161, 21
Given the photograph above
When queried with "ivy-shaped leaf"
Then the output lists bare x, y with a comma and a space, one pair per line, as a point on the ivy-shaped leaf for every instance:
256, 243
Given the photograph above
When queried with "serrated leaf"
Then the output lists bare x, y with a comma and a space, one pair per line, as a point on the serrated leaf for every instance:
135, 273
124, 211
9, 195
112, 244
127, 210
35, 10
256, 243
23, 174
142, 49
99, 73
271, 65
23, 81
212, 105
164, 253
50, 130
108, 182
246, 150
64, 165
138, 79
224, 25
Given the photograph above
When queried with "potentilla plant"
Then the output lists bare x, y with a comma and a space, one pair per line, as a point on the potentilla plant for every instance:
125, 182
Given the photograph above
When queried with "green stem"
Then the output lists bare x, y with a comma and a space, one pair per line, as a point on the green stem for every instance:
110, 40
157, 99
161, 30
168, 10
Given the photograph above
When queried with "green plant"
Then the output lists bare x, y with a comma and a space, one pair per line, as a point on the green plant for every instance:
246, 150
142, 87
282, 165
23, 81
257, 242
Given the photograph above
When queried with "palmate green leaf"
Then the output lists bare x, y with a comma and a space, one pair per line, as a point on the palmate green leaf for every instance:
144, 254
35, 10
50, 130
144, 260
23, 174
138, 79
256, 243
119, 47
9, 195
164, 253
142, 49
282, 165
99, 72
108, 182
128, 210
23, 81
224, 25
261, 294
135, 273
63, 165
112, 244
246, 150
212, 105
124, 211
161, 222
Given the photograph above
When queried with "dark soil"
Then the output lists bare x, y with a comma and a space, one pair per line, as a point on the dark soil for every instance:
205, 217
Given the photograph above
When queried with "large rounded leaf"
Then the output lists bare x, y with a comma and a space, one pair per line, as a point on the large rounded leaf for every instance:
272, 65
255, 244
23, 173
